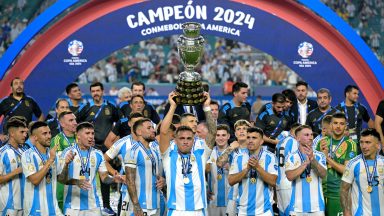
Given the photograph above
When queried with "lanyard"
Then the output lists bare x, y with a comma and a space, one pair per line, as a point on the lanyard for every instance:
308, 168
370, 175
66, 139
84, 166
151, 157
331, 152
98, 112
185, 164
278, 125
49, 173
317, 121
253, 173
17, 152
58, 125
346, 112
14, 108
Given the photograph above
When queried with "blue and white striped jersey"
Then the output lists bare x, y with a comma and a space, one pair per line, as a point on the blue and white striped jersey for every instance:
364, 203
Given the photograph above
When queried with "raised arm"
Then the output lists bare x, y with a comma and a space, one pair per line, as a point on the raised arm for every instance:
210, 139
167, 121
223, 158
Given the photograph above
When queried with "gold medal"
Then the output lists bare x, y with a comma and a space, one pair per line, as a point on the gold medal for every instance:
309, 179
253, 180
219, 177
369, 189
82, 177
48, 180
186, 180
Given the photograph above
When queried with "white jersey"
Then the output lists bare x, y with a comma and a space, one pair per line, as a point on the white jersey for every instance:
11, 192
283, 149
40, 199
92, 162
364, 203
234, 190
218, 181
316, 141
255, 197
190, 194
147, 164
302, 189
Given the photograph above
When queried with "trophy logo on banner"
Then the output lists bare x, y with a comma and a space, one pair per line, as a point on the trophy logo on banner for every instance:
190, 46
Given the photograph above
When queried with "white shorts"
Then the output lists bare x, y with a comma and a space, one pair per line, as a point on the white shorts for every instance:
269, 213
319, 213
12, 212
172, 212
76, 212
283, 199
216, 211
231, 208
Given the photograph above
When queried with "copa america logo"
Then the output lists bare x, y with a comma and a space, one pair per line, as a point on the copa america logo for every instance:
75, 47
305, 49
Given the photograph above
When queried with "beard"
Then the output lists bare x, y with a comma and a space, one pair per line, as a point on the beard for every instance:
149, 139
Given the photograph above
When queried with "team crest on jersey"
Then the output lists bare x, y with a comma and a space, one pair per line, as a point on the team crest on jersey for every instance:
93, 161
107, 112
381, 170
27, 103
145, 112
13, 160
92, 114
272, 122
12, 104
77, 160
31, 168
213, 160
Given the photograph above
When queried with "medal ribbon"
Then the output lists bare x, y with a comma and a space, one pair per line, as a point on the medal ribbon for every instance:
83, 166
220, 171
49, 173
185, 164
331, 152
370, 175
17, 152
253, 173
151, 157
308, 168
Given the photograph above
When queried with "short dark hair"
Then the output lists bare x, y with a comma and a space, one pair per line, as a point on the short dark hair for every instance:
349, 88
84, 125
139, 123
223, 127
302, 83
300, 128
256, 130
278, 98
36, 125
61, 115
15, 123
295, 125
176, 119
213, 102
339, 115
70, 87
95, 85
327, 119
237, 86
135, 96
135, 115
324, 90
16, 78
172, 127
370, 132
138, 83
59, 100
289, 94
183, 128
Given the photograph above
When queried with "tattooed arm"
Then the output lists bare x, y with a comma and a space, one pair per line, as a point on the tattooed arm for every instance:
210, 139
223, 158
345, 198
131, 177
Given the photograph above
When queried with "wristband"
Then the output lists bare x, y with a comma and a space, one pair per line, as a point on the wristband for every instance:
207, 109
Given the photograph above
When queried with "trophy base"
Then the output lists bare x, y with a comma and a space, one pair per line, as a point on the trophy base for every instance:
190, 92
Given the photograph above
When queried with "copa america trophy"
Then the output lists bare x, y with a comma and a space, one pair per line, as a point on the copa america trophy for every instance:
190, 47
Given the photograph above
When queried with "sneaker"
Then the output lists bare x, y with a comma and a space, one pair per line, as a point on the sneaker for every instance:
108, 211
